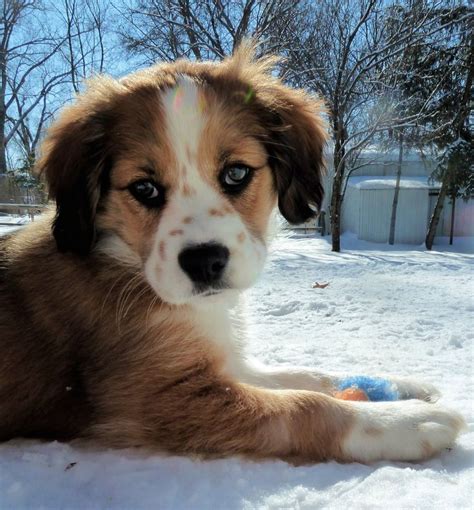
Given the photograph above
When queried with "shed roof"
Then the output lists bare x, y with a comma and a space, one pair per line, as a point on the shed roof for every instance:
389, 181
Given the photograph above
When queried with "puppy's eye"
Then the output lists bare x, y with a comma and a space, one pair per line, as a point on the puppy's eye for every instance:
234, 178
148, 192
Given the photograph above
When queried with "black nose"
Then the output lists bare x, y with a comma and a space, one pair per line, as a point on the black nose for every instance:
204, 263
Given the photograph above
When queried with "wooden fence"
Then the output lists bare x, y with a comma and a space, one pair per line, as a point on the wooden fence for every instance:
30, 210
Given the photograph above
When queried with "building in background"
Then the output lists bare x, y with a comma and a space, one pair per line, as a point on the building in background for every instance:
367, 204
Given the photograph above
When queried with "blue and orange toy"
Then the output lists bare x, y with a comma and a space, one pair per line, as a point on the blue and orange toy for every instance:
365, 388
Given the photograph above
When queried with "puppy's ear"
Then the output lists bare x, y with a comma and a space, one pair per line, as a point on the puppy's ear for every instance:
296, 143
74, 161
295, 132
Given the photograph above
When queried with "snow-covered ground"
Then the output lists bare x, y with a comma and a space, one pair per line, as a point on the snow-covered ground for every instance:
5, 229
403, 311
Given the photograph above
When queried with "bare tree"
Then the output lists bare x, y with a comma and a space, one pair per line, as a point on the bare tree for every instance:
24, 56
203, 29
39, 73
396, 193
28, 131
452, 132
429, 76
342, 54
85, 50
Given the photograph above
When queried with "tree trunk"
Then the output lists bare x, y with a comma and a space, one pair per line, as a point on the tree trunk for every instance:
458, 123
3, 116
3, 148
437, 213
336, 199
393, 219
453, 206
336, 213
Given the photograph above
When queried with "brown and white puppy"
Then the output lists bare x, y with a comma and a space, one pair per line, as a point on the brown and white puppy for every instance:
118, 319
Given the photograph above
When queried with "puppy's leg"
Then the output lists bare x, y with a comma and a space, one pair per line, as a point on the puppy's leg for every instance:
220, 418
292, 378
252, 372
410, 388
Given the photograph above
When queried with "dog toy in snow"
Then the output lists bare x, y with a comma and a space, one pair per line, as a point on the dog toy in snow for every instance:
362, 387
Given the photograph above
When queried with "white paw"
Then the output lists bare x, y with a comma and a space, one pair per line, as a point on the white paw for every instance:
409, 389
407, 431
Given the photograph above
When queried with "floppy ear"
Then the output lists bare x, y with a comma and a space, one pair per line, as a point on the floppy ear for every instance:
297, 137
295, 132
75, 163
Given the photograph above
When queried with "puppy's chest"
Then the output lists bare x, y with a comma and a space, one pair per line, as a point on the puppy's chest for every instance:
220, 330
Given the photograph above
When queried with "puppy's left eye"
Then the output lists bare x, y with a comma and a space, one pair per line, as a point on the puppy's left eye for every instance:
148, 192
234, 178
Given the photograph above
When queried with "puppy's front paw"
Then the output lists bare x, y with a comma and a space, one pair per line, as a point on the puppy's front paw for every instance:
409, 389
404, 431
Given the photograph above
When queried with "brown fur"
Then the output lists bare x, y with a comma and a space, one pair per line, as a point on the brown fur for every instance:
162, 250
87, 348
241, 237
373, 431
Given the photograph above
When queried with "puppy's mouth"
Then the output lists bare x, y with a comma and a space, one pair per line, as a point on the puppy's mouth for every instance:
211, 293
203, 291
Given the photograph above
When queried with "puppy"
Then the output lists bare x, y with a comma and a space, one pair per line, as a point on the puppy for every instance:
119, 316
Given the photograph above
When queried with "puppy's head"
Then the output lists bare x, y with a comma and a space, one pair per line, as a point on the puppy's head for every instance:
176, 170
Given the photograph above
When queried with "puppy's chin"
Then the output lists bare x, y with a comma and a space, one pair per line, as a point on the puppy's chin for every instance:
227, 298
209, 299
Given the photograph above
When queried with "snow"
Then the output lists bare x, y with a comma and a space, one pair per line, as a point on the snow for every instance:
388, 182
399, 310
5, 229
11, 222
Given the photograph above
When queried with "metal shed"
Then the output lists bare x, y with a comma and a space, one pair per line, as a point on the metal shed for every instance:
367, 208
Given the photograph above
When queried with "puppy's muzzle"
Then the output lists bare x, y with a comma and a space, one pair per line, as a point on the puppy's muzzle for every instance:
204, 264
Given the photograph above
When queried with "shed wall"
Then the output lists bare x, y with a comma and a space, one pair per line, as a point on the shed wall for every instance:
463, 218
374, 215
350, 210
376, 209
412, 212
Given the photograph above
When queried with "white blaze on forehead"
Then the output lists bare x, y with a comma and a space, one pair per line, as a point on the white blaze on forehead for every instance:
196, 199
184, 119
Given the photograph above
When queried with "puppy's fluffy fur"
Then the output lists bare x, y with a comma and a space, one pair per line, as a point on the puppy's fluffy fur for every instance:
103, 335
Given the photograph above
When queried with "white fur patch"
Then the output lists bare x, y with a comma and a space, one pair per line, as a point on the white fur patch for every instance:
215, 321
185, 121
115, 247
201, 216
251, 371
409, 430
